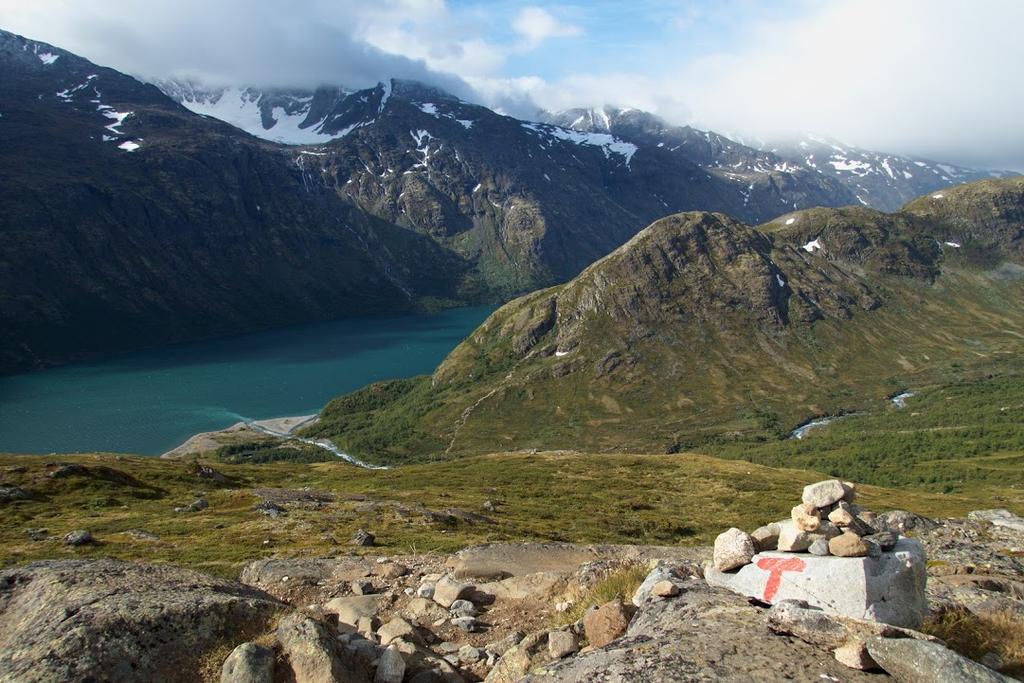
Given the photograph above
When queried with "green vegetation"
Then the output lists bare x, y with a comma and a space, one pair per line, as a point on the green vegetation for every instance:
618, 584
951, 438
380, 420
557, 496
269, 449
703, 331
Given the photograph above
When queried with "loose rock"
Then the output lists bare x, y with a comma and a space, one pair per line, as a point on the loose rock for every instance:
901, 521
848, 544
467, 624
793, 540
362, 537
248, 663
562, 644
469, 654
766, 537
309, 650
915, 661
78, 537
608, 622
390, 666
8, 493
806, 517
448, 590
855, 656
819, 547
398, 628
842, 516
733, 548
463, 608
665, 589
824, 493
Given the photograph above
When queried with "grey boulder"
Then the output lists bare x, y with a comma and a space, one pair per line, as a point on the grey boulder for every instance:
120, 621
917, 661
248, 663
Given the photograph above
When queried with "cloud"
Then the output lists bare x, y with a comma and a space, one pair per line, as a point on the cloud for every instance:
536, 25
936, 78
258, 42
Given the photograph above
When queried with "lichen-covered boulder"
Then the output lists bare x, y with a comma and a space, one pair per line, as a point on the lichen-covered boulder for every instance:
73, 620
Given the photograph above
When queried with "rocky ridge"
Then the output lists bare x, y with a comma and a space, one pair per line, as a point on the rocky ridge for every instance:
488, 613
861, 177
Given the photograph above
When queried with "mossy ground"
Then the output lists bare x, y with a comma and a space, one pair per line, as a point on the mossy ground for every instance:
552, 496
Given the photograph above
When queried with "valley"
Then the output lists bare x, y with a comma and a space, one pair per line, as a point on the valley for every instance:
315, 371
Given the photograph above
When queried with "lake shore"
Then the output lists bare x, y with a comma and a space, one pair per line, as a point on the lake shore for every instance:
283, 427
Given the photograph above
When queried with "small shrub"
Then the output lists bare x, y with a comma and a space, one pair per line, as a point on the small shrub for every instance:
974, 635
619, 583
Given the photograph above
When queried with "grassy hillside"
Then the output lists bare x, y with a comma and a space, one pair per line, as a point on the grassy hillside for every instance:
702, 329
550, 496
950, 438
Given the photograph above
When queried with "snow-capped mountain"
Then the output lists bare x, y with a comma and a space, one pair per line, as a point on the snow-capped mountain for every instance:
876, 179
766, 181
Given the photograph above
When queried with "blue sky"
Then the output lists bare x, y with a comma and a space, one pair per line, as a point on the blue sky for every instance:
937, 78
640, 36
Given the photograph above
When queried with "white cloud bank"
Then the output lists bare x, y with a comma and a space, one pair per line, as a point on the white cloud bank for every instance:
938, 78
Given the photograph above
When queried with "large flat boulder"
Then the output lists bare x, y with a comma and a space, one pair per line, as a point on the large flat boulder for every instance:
889, 588
500, 561
106, 620
704, 634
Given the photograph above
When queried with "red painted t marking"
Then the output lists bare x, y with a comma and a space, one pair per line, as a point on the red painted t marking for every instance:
775, 566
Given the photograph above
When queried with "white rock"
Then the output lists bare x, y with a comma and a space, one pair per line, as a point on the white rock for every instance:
888, 588
793, 540
824, 493
733, 548
999, 517
447, 590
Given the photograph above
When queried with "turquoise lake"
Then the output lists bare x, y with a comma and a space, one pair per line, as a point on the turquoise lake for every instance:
150, 401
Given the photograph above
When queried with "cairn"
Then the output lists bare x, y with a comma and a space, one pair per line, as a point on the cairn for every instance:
830, 553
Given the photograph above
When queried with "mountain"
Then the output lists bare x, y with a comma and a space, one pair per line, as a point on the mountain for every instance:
702, 328
879, 180
130, 220
841, 174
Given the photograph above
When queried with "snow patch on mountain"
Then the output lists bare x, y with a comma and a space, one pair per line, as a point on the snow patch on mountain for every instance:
608, 143
812, 246
431, 109
287, 121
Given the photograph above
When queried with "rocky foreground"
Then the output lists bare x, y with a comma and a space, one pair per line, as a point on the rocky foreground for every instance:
496, 613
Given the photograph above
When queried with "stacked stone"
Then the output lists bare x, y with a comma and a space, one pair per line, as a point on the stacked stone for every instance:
826, 522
